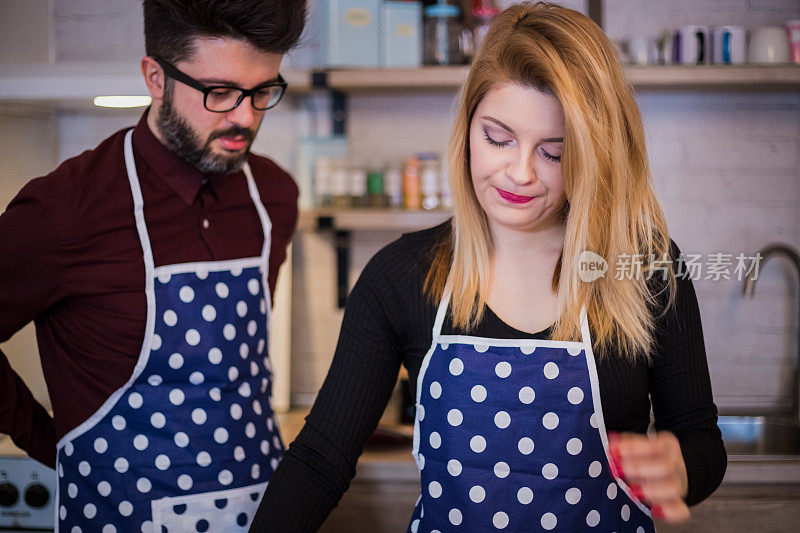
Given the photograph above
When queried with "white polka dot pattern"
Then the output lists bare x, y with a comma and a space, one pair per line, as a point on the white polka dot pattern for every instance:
573, 495
500, 520
525, 495
548, 521
483, 410
190, 420
477, 494
454, 467
478, 393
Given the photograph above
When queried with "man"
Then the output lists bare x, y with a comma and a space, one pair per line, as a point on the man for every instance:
148, 266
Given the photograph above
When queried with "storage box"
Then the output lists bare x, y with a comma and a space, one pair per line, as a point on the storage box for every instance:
349, 32
401, 34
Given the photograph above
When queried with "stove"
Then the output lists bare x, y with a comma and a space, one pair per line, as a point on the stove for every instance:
27, 491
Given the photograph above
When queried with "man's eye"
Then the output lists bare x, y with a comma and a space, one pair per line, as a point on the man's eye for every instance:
220, 93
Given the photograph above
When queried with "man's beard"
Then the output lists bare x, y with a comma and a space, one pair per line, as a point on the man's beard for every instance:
180, 138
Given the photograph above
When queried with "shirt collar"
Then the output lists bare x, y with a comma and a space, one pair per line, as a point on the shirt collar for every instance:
181, 176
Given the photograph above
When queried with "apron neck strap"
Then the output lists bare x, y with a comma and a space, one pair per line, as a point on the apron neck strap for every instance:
266, 225
584, 323
444, 303
138, 205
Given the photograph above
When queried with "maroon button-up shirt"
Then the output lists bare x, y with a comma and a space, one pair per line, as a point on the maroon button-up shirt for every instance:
71, 260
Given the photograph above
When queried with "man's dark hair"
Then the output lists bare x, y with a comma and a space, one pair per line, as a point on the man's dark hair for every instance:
170, 26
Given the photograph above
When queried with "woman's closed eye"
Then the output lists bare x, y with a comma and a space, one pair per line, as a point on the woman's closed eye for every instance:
501, 141
495, 139
551, 157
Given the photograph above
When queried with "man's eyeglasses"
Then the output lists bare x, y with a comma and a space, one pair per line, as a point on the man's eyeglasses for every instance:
223, 98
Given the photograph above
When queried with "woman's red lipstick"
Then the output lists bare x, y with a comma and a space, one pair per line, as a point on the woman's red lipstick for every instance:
513, 198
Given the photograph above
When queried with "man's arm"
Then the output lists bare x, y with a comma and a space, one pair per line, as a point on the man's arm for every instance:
31, 271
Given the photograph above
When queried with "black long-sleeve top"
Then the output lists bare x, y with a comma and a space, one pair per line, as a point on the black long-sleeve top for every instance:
388, 322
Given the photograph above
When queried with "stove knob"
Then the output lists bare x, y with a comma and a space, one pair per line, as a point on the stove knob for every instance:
8, 494
37, 495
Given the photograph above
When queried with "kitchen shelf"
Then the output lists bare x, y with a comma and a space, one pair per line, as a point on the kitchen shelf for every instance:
370, 219
343, 222
750, 77
71, 81
76, 81
377, 79
705, 77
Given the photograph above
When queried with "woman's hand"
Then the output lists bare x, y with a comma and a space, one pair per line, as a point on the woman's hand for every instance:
653, 467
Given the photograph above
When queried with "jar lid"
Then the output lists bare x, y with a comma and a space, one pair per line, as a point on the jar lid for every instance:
442, 10
485, 12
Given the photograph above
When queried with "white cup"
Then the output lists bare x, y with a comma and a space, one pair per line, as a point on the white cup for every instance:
728, 45
769, 44
642, 51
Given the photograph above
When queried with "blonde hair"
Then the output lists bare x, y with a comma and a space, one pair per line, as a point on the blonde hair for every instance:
611, 207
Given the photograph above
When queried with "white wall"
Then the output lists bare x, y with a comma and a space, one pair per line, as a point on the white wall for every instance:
98, 29
625, 18
727, 169
25, 31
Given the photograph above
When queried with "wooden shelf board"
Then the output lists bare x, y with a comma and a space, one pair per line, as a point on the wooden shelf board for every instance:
446, 78
366, 219
760, 77
763, 77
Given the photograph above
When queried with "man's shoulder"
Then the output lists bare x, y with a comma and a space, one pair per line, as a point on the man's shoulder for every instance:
87, 169
77, 176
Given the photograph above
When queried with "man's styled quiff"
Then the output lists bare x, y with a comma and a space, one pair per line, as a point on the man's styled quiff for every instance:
170, 26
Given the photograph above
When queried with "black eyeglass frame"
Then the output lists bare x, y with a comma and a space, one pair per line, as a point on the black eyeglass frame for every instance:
173, 72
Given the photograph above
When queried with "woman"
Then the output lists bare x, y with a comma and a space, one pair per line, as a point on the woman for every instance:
517, 430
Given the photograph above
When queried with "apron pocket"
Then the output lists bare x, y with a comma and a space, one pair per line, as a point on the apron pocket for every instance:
224, 510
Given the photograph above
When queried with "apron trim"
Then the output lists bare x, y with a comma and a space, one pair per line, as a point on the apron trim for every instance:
513, 343
601, 423
147, 252
207, 266
266, 225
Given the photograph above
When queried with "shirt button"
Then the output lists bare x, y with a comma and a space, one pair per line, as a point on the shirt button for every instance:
205, 223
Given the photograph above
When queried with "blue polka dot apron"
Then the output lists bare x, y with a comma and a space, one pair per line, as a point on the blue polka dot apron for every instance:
509, 435
189, 442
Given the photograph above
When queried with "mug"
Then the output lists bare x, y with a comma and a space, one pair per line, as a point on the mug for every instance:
793, 33
728, 45
691, 45
769, 44
642, 51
